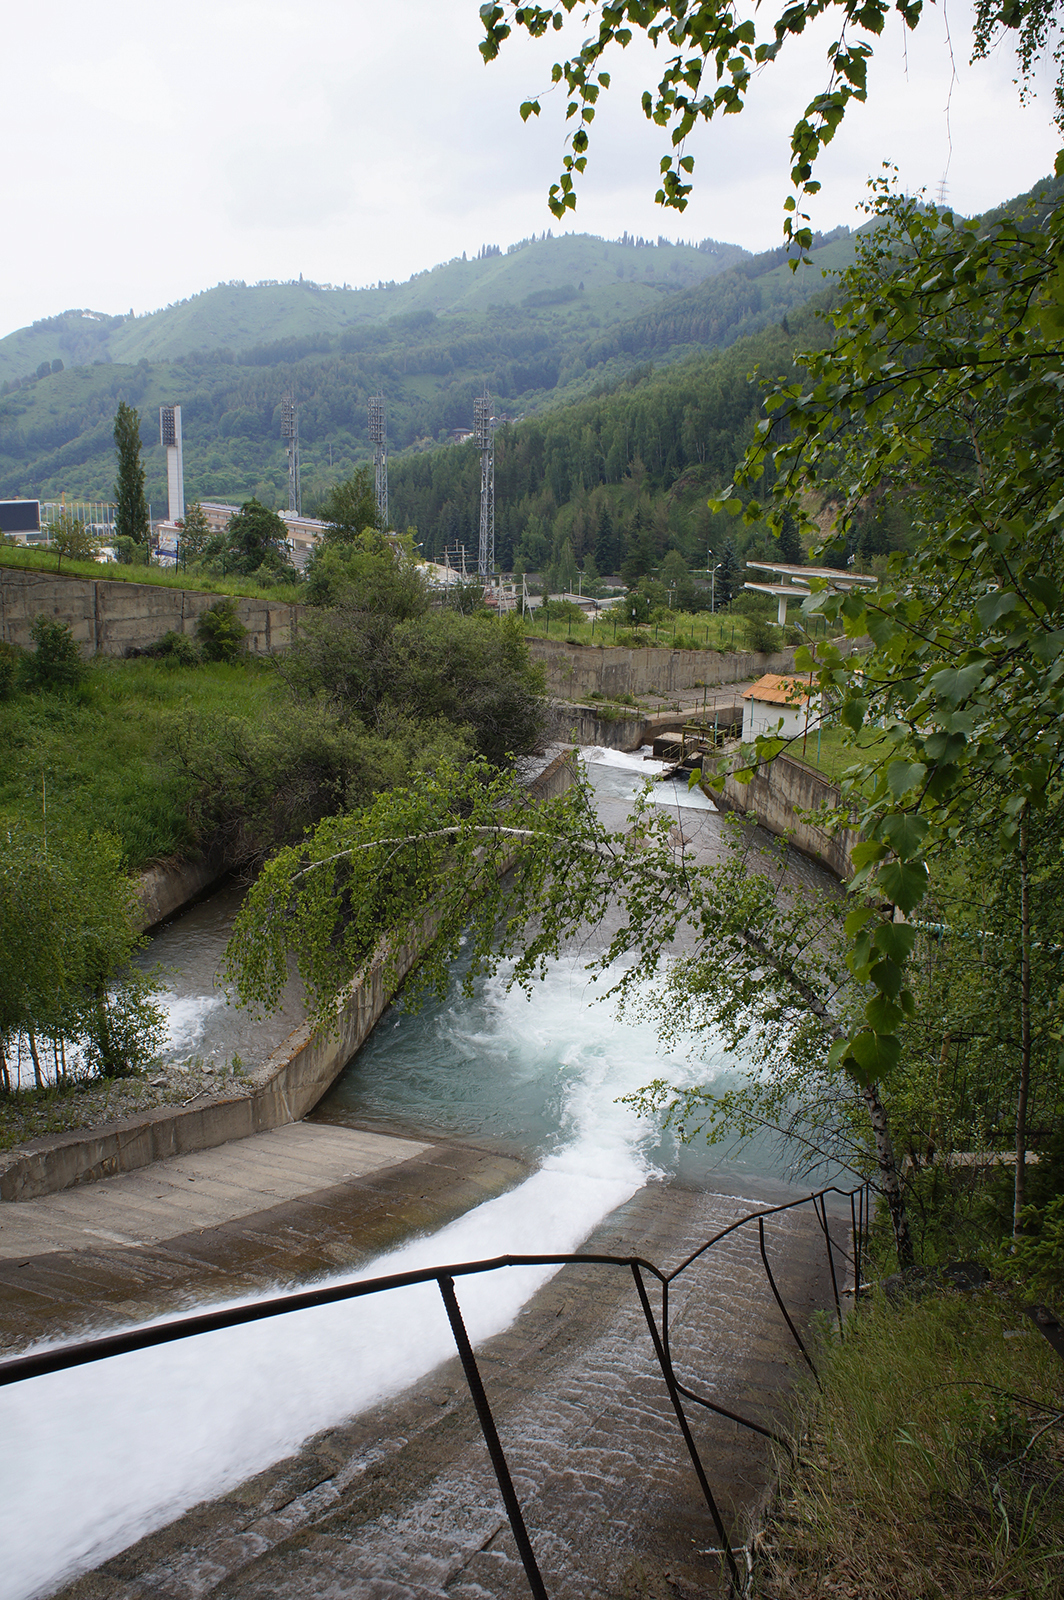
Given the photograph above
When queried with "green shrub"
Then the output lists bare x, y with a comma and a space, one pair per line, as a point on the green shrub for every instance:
56, 662
131, 552
9, 659
1039, 1253
761, 635
221, 633
175, 649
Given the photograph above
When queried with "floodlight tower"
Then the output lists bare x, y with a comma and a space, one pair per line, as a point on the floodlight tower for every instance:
484, 430
290, 433
378, 438
170, 439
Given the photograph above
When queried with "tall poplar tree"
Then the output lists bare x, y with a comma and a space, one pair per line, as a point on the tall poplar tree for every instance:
131, 505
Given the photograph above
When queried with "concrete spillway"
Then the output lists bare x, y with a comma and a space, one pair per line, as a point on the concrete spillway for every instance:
100, 1457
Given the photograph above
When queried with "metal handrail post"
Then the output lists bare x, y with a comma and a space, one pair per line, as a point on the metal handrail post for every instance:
665, 1363
491, 1438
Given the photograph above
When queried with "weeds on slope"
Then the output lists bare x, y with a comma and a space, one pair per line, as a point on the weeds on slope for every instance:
931, 1465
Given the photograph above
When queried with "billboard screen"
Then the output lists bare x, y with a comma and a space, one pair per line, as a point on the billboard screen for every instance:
20, 516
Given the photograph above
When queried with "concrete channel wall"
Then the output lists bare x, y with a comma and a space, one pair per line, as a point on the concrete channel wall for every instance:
779, 796
111, 618
165, 890
574, 672
585, 725
282, 1090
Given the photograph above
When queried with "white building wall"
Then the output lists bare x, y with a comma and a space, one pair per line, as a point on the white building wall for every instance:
763, 716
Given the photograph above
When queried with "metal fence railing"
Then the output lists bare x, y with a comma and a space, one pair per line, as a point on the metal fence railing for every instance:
63, 1357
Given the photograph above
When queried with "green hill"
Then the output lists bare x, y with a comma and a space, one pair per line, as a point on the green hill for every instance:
516, 323
615, 280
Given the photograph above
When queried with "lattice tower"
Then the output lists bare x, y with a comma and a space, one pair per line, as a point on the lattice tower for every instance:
290, 434
378, 436
484, 431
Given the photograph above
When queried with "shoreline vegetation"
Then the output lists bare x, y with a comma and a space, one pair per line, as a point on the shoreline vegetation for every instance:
930, 1462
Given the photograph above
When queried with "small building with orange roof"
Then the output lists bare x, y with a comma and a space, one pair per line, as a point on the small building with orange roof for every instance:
780, 697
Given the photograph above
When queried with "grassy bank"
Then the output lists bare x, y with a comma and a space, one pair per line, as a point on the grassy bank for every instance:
682, 630
34, 560
101, 757
931, 1465
832, 750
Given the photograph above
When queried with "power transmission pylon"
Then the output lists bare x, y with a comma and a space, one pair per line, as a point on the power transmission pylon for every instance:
378, 438
290, 433
484, 429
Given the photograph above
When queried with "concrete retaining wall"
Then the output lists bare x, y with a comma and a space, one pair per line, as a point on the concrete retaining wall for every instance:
163, 891
111, 618
584, 725
778, 795
283, 1090
576, 671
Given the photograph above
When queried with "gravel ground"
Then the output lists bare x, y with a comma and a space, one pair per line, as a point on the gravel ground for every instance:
92, 1102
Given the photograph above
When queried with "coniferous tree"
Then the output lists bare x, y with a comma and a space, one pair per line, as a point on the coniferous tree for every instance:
729, 574
131, 505
790, 542
567, 567
351, 508
605, 542
195, 532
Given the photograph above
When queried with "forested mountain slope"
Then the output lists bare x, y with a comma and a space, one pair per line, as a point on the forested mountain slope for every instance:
559, 342
618, 277
624, 473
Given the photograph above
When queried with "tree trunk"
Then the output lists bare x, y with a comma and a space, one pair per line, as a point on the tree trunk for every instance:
888, 1174
109, 1067
1025, 1033
888, 1169
38, 1076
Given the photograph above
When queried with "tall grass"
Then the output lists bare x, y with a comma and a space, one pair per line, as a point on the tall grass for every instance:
102, 757
931, 1465
680, 630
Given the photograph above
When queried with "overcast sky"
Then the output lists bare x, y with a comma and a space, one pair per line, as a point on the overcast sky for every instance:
154, 150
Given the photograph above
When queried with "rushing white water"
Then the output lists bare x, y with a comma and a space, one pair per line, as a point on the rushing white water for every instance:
97, 1457
620, 773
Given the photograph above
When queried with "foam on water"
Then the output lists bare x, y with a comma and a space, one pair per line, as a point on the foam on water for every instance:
187, 1017
620, 774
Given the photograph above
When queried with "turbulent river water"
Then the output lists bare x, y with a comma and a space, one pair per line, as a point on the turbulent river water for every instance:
97, 1457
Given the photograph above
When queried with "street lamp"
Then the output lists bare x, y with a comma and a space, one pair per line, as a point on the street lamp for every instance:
713, 586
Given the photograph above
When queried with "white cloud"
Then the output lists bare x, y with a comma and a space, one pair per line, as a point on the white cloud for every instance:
154, 151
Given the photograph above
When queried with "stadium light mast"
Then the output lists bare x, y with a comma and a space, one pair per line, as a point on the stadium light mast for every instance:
290, 434
170, 439
378, 438
484, 430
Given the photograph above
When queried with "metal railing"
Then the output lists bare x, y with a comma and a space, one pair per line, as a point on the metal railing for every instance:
63, 1357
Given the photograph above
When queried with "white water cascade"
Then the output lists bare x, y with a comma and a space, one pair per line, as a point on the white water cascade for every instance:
97, 1457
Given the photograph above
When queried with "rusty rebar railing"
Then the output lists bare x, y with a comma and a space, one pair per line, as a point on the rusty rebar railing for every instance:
63, 1357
